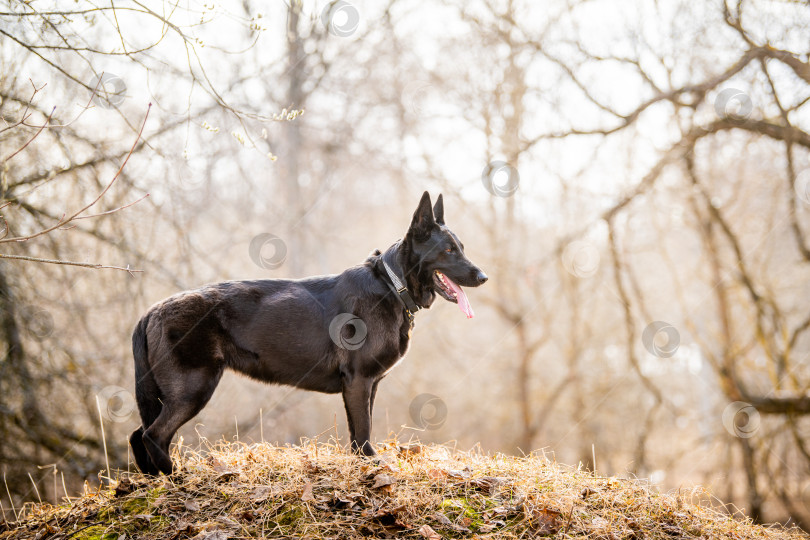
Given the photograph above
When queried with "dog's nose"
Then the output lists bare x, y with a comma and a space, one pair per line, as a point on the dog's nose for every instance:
481, 277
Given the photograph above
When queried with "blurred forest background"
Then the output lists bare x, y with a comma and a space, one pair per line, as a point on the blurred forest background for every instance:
633, 176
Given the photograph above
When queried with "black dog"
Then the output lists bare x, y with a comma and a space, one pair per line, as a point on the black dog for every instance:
338, 333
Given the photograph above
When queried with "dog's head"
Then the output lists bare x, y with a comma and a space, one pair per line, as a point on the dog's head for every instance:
437, 255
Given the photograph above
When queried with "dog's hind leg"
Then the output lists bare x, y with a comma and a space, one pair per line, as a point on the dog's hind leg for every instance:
141, 455
147, 395
372, 397
357, 399
181, 402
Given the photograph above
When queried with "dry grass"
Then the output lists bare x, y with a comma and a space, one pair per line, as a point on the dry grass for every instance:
317, 490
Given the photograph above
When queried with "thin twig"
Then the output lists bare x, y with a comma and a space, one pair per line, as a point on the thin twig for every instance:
108, 212
43, 126
16, 515
68, 263
103, 437
36, 489
65, 488
65, 220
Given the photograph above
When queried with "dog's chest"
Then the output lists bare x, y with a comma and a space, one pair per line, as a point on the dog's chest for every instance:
394, 354
398, 359
404, 344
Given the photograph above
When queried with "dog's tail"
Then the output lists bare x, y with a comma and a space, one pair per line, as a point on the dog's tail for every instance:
147, 392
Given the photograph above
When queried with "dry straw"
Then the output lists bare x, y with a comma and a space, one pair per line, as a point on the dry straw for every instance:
317, 490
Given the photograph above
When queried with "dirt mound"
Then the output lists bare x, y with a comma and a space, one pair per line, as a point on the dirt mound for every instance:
236, 490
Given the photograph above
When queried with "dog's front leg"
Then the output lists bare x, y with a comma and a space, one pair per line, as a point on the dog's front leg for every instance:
357, 392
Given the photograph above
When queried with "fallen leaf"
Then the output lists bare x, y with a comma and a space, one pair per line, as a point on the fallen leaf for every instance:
382, 480
261, 493
389, 517
488, 484
224, 471
307, 495
124, 487
600, 523
309, 465
341, 500
427, 532
410, 450
228, 522
226, 475
212, 535
545, 521
586, 492
371, 473
463, 474
437, 474
441, 518
192, 505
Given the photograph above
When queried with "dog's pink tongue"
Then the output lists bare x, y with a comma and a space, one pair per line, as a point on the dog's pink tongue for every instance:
463, 303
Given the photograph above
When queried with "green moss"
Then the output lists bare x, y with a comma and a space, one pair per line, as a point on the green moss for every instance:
463, 508
96, 532
106, 514
137, 505
288, 516
158, 523
155, 493
458, 507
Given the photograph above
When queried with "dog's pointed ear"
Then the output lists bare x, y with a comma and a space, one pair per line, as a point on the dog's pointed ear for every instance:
438, 210
422, 221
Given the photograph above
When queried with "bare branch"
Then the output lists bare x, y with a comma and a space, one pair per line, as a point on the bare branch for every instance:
69, 263
65, 220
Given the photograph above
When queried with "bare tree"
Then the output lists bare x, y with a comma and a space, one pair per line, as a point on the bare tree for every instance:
67, 192
704, 112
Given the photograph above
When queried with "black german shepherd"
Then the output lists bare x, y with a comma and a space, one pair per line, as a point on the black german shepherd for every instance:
338, 333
